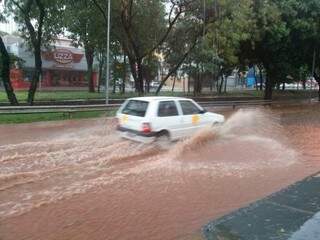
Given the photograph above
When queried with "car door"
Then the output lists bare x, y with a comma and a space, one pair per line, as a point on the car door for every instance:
168, 118
192, 117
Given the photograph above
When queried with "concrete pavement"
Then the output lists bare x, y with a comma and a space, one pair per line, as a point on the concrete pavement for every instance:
291, 214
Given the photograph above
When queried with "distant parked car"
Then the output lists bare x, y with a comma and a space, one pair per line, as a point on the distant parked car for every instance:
154, 84
148, 119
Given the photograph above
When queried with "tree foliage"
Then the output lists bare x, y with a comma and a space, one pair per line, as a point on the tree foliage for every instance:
39, 23
205, 39
86, 30
5, 62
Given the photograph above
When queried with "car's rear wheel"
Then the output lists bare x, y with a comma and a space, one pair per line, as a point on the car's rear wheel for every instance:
163, 140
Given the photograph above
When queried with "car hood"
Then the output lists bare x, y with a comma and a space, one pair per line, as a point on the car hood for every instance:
218, 117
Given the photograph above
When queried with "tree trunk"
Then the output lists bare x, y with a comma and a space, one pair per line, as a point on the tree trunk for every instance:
217, 83
211, 82
35, 37
225, 84
189, 82
136, 71
255, 77
196, 81
147, 83
189, 78
101, 63
5, 74
123, 87
174, 83
261, 78
269, 87
283, 86
89, 52
114, 85
134, 74
184, 84
100, 75
317, 78
221, 84
202, 79
36, 75
140, 77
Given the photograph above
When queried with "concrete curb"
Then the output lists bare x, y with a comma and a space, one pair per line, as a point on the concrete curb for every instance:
287, 214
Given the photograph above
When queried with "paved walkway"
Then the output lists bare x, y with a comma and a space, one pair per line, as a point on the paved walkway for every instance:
291, 214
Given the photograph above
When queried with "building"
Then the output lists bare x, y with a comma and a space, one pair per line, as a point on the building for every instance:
64, 66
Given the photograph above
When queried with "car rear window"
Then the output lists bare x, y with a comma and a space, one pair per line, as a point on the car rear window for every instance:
136, 108
167, 109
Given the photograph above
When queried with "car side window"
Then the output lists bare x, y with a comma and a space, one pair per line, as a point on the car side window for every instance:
167, 109
189, 108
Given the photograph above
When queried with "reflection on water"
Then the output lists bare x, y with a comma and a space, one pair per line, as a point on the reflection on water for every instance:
105, 184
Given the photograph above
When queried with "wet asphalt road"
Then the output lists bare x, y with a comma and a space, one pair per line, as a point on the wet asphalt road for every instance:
79, 180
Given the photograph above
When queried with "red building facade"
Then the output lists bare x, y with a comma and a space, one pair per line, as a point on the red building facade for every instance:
62, 67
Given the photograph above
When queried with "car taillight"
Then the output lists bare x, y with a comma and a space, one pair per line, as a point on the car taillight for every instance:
146, 128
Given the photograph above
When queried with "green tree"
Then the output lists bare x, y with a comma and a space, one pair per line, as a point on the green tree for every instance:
39, 23
179, 45
5, 70
142, 32
223, 25
303, 18
87, 29
268, 45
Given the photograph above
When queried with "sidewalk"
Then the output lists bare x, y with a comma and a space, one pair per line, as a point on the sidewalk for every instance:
291, 214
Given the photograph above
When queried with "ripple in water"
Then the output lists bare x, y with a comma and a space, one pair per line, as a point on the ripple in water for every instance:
37, 173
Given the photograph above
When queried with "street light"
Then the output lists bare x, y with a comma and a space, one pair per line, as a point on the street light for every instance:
108, 55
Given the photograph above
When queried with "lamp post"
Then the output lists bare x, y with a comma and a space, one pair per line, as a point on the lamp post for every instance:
108, 55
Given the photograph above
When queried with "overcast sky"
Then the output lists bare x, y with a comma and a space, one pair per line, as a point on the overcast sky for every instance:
7, 27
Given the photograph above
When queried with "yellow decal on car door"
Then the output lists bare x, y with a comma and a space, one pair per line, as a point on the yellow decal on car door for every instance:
124, 119
195, 119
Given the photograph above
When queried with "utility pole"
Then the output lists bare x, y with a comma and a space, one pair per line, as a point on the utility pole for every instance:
108, 55
204, 17
203, 35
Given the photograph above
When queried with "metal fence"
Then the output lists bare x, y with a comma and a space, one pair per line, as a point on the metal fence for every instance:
70, 109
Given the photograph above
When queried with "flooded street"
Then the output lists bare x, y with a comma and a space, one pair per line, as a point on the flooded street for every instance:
79, 180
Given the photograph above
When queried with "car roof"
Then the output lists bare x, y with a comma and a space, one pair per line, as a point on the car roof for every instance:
157, 98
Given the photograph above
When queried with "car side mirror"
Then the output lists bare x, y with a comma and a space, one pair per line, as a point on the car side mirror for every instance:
203, 111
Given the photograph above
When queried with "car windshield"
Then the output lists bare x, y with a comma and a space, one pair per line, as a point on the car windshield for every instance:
136, 108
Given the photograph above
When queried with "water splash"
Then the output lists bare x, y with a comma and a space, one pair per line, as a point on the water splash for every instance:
75, 162
247, 141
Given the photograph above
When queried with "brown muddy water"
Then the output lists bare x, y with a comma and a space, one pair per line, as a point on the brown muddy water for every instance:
79, 180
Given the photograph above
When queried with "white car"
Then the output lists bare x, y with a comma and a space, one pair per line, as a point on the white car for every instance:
147, 119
